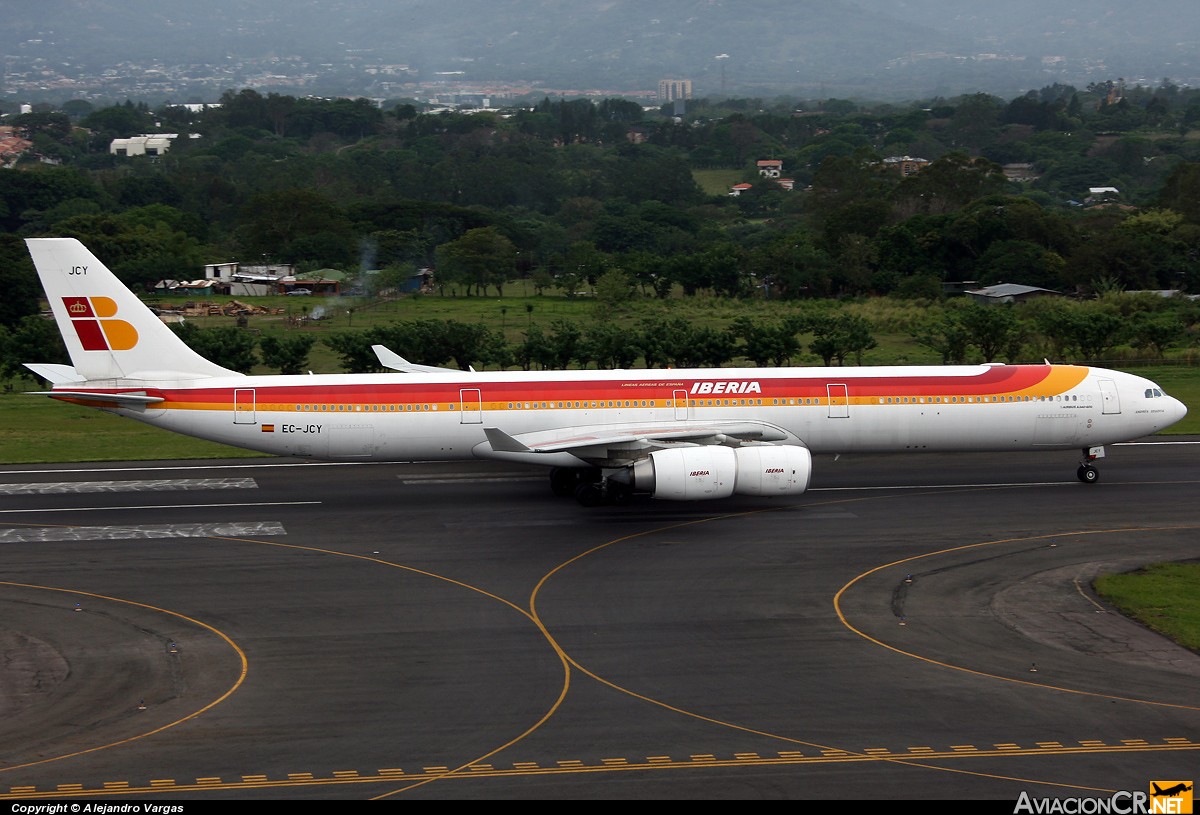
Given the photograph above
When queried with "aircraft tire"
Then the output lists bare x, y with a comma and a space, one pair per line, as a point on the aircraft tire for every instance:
1087, 474
563, 481
589, 495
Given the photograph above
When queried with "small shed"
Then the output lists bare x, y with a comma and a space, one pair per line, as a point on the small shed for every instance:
1010, 293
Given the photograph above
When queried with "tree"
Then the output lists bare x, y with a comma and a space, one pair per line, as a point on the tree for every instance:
836, 336
950, 183
229, 347
31, 339
481, 258
1089, 329
1157, 331
945, 334
288, 354
18, 281
764, 343
614, 289
609, 345
295, 225
991, 329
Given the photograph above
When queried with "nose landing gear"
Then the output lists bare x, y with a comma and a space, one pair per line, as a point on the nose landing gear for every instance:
1088, 473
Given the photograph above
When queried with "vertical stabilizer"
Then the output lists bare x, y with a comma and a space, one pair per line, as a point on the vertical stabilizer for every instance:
109, 332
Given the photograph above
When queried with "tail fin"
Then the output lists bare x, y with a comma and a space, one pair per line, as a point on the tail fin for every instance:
109, 332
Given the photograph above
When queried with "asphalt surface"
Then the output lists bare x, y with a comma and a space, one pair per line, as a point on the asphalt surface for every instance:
913, 627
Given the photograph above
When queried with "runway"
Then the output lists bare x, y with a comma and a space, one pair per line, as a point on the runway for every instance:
913, 627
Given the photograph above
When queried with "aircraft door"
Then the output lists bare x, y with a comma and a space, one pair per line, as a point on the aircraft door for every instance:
1109, 398
243, 406
680, 398
471, 402
839, 401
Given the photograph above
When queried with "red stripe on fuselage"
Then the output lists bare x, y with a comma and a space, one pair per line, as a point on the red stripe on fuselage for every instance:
992, 381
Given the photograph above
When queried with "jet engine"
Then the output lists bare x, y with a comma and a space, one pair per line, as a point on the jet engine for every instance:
701, 473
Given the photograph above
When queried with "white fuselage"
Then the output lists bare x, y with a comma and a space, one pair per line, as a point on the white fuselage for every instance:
440, 416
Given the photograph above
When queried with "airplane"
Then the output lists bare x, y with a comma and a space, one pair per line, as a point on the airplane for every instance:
675, 434
1170, 791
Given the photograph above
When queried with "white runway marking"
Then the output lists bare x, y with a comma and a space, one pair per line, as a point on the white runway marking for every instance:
92, 533
162, 506
156, 485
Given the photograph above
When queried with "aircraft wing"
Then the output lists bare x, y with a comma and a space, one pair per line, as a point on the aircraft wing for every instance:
618, 445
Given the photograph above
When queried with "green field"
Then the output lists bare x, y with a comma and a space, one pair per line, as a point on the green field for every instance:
1164, 597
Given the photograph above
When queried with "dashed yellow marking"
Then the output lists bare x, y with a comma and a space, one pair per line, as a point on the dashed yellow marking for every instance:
613, 764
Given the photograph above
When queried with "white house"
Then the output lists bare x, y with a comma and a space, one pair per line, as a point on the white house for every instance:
147, 144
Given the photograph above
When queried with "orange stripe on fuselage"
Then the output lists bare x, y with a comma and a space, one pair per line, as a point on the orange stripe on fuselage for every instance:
1022, 381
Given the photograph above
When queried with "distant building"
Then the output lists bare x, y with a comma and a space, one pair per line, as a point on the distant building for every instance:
738, 189
907, 165
12, 146
149, 144
1010, 293
1019, 172
770, 168
670, 90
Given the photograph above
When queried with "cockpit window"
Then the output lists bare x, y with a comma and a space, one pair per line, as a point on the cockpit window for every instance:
1153, 393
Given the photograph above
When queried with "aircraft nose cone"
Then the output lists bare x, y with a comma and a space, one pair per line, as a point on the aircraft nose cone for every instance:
1179, 410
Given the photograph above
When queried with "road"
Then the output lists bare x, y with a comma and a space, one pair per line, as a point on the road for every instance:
913, 627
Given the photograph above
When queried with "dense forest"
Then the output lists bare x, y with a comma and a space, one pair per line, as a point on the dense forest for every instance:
1088, 192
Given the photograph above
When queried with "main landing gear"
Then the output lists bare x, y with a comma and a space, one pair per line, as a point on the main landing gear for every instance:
1088, 473
589, 487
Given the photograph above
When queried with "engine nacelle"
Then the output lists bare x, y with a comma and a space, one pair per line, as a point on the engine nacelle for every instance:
773, 470
701, 473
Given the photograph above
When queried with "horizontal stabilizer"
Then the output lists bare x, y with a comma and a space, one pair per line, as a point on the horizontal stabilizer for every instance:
54, 373
92, 397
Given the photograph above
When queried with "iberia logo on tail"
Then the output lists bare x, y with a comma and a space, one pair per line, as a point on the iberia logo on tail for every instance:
91, 317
